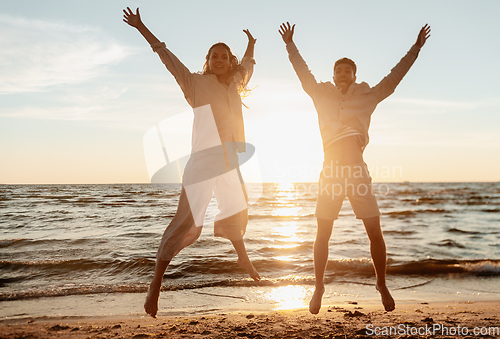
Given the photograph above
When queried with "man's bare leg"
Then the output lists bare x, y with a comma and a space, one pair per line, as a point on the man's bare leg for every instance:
151, 304
379, 258
321, 249
243, 259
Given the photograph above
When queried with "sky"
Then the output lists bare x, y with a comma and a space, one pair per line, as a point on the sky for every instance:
80, 89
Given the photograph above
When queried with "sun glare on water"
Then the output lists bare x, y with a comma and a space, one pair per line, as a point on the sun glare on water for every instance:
286, 235
286, 191
285, 198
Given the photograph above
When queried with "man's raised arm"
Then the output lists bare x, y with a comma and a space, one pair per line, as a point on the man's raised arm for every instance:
299, 65
387, 86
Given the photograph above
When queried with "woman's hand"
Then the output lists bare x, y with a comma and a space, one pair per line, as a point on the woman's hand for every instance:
132, 19
286, 32
423, 35
251, 39
251, 44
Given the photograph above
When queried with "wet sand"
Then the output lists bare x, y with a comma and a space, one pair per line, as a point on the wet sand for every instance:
354, 320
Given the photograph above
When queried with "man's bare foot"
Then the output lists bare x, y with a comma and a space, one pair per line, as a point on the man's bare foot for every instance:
387, 299
247, 264
315, 303
151, 303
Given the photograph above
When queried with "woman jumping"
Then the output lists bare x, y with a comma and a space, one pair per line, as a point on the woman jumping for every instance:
218, 135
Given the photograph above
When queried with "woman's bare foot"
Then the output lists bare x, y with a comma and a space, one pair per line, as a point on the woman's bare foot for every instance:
315, 303
151, 303
247, 264
387, 299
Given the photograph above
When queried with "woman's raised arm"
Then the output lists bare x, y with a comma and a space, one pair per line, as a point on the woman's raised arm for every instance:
134, 20
180, 72
251, 44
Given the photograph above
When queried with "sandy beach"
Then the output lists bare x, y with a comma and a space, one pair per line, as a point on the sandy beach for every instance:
409, 320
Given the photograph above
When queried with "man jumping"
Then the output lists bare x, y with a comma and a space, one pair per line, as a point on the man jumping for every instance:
344, 110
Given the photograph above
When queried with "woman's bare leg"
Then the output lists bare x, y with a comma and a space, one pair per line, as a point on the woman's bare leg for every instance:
151, 304
243, 259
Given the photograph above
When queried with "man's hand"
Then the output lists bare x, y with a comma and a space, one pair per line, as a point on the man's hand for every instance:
251, 39
423, 35
132, 19
287, 32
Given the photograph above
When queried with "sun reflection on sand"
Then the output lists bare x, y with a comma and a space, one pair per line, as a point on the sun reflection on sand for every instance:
288, 297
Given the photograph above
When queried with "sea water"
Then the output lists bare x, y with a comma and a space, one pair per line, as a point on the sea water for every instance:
81, 245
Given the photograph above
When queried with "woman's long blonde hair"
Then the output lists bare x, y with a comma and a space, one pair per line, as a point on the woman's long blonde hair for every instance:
234, 67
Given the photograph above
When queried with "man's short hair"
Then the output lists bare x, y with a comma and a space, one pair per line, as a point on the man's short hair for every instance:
346, 61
